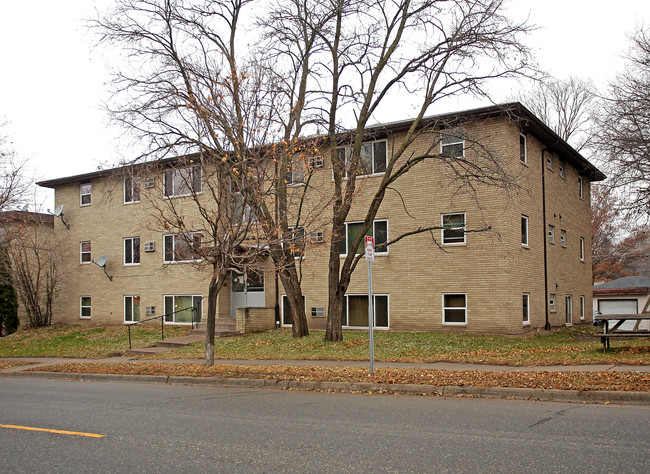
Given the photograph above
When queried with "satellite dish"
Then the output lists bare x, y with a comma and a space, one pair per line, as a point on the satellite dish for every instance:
101, 261
59, 210
25, 207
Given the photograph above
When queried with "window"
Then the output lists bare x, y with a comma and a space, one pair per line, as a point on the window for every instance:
86, 307
86, 256
379, 230
355, 311
183, 308
241, 211
132, 251
454, 308
524, 230
182, 247
453, 228
287, 313
551, 302
131, 309
549, 162
131, 189
372, 160
551, 233
452, 146
523, 156
183, 181
569, 309
297, 170
582, 308
526, 308
295, 242
582, 249
317, 311
85, 192
580, 187
563, 237
560, 168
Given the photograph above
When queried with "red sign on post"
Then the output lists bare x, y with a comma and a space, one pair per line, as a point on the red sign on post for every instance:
370, 248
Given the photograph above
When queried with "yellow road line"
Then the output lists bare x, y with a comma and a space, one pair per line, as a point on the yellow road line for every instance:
30, 428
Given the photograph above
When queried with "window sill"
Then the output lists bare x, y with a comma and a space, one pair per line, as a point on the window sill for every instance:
181, 261
454, 324
525, 246
182, 195
131, 202
454, 244
85, 317
526, 323
85, 263
131, 264
85, 205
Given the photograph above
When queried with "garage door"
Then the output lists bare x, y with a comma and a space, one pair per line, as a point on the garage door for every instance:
619, 307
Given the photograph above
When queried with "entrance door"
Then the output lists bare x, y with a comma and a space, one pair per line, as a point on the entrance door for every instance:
569, 309
247, 290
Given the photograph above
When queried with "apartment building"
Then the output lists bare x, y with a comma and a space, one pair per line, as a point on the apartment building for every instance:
502, 260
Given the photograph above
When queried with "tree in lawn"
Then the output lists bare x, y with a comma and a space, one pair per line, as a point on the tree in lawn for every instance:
620, 247
624, 127
189, 89
566, 106
8, 297
366, 52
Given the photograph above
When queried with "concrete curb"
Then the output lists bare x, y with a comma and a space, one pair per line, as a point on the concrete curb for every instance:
579, 396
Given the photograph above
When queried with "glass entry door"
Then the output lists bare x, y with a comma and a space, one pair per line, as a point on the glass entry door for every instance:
246, 290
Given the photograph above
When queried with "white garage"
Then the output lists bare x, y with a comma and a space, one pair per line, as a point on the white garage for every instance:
628, 295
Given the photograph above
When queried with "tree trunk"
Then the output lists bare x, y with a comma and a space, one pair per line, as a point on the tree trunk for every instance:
333, 329
291, 285
216, 282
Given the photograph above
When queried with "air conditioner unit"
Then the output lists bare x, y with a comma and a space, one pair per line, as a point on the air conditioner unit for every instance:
149, 246
316, 161
316, 237
149, 182
150, 310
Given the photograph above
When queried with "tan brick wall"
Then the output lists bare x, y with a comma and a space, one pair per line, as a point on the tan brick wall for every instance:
491, 268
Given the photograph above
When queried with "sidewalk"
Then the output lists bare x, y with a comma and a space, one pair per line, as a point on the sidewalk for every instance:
582, 396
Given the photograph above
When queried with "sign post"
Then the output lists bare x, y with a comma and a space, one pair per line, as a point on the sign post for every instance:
370, 257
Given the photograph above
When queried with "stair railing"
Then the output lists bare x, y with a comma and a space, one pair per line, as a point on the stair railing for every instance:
162, 322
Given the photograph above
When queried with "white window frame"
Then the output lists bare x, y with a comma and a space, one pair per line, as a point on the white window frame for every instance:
135, 189
297, 175
374, 233
450, 135
551, 233
199, 316
523, 157
132, 303
580, 185
443, 230
444, 308
175, 238
82, 306
88, 193
582, 307
374, 308
525, 300
568, 310
524, 231
582, 249
551, 302
293, 237
563, 237
561, 167
549, 161
284, 299
176, 173
346, 163
132, 239
88, 252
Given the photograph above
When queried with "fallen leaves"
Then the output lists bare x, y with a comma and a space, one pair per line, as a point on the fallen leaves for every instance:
569, 380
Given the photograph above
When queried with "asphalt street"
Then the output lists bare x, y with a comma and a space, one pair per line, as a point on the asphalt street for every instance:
175, 428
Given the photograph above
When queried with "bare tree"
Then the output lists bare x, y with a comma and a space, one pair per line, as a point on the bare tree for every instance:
13, 183
624, 127
33, 262
567, 106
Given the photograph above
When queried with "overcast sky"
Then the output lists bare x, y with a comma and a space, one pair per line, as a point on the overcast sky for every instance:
53, 82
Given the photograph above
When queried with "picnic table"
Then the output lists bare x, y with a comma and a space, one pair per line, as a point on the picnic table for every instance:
615, 331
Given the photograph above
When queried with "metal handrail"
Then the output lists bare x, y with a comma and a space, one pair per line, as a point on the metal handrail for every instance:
162, 322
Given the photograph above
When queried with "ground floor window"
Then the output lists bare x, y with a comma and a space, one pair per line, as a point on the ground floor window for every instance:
131, 309
183, 308
287, 313
86, 307
454, 308
582, 307
526, 307
355, 311
569, 309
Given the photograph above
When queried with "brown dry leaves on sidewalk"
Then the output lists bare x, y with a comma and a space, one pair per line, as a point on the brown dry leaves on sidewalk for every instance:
626, 381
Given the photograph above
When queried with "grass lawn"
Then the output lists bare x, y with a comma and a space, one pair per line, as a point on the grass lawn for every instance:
565, 346
78, 341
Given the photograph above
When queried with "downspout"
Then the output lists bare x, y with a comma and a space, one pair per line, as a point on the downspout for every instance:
547, 326
277, 286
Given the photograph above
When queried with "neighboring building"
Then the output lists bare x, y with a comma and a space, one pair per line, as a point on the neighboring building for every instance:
531, 270
627, 295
